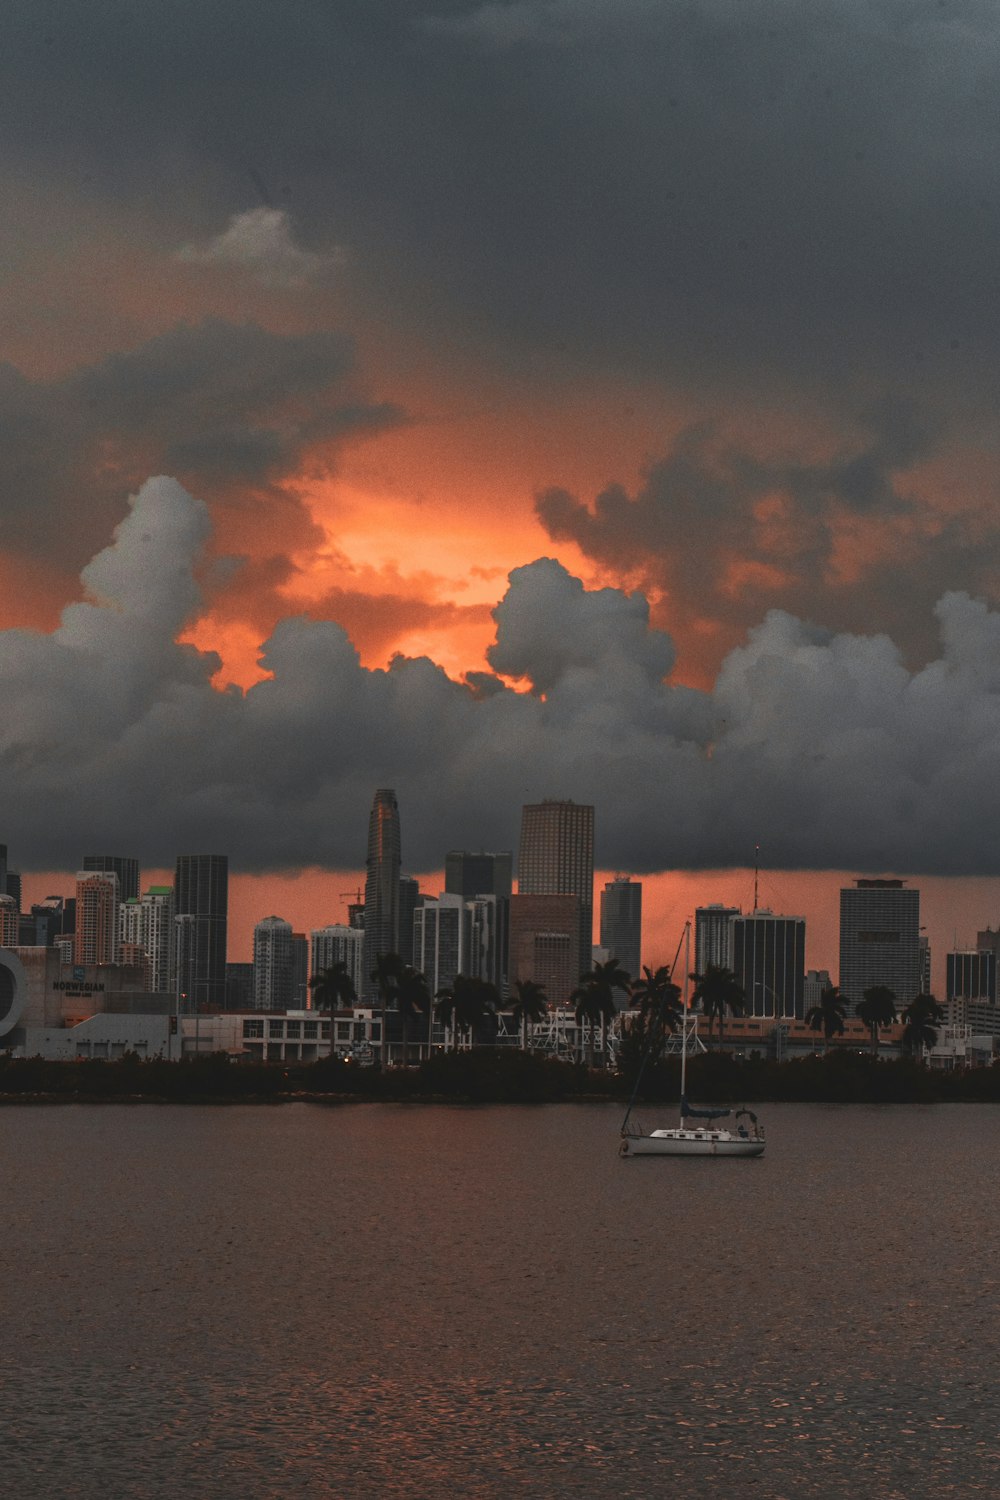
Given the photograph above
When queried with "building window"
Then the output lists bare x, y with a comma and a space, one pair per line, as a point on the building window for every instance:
309, 1030
253, 1028
293, 1028
324, 1030
276, 1028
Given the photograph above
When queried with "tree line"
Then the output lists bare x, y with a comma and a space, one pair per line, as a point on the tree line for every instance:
468, 1004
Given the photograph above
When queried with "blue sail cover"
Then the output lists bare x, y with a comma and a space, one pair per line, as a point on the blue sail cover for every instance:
689, 1112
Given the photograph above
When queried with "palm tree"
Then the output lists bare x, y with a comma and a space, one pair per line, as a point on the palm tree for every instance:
530, 1005
465, 1004
386, 974
828, 1016
658, 997
333, 987
603, 979
877, 1009
414, 999
921, 1017
718, 991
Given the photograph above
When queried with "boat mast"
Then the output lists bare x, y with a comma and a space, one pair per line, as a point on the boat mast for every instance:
684, 1016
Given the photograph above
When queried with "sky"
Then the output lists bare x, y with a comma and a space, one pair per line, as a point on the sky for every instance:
497, 401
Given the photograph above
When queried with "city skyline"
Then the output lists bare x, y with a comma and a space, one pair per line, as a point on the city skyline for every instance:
953, 912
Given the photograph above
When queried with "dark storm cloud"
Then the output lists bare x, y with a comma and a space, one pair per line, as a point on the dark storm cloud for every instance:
722, 534
826, 746
745, 196
231, 409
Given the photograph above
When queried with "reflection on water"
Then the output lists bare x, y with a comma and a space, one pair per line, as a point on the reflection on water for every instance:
394, 1301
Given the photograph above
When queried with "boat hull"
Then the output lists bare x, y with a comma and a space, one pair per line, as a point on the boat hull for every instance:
690, 1143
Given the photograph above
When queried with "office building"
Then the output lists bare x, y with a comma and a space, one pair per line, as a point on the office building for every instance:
713, 936
273, 964
556, 858
409, 899
469, 874
239, 986
381, 884
96, 937
817, 980
769, 961
338, 945
621, 923
126, 869
880, 940
201, 905
545, 944
971, 975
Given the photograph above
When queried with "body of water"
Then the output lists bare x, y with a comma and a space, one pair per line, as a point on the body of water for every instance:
400, 1301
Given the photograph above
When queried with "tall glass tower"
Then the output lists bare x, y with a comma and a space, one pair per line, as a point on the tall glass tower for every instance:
201, 892
381, 883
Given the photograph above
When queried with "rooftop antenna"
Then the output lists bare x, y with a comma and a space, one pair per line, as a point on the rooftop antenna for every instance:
756, 871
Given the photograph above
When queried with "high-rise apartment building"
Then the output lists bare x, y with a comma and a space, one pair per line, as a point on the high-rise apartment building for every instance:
126, 869
96, 939
9, 922
713, 936
273, 964
769, 961
452, 936
338, 945
880, 939
381, 884
621, 923
201, 905
556, 858
150, 923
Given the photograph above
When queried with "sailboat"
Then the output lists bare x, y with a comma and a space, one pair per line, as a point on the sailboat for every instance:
746, 1139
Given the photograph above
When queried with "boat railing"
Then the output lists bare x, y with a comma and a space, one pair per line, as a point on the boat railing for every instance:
633, 1130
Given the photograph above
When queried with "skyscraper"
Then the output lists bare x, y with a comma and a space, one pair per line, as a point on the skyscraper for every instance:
273, 964
880, 939
769, 961
381, 883
470, 874
201, 903
545, 943
150, 924
409, 898
621, 923
96, 940
713, 936
9, 935
126, 868
556, 858
338, 945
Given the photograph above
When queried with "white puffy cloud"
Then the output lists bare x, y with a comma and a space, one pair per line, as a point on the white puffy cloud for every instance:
261, 241
825, 748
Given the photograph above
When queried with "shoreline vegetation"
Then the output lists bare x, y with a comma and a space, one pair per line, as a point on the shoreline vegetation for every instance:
490, 1076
